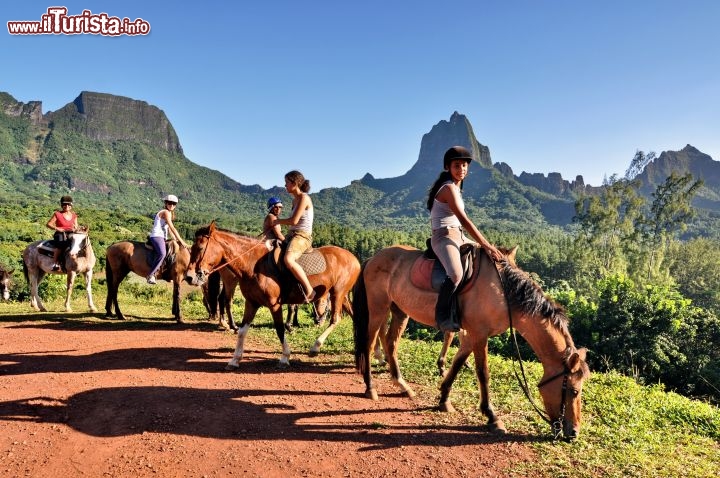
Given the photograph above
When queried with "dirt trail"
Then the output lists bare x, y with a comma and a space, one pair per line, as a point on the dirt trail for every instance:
86, 399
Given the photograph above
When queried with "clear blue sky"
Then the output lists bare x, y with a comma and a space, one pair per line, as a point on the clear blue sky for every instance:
337, 89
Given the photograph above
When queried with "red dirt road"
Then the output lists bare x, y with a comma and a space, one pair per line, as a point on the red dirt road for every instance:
82, 398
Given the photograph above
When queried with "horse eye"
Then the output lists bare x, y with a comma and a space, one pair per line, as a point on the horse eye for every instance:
575, 392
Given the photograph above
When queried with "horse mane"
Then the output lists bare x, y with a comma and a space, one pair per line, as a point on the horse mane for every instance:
205, 230
525, 294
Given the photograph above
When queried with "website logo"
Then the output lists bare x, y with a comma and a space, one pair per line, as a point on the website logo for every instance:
57, 22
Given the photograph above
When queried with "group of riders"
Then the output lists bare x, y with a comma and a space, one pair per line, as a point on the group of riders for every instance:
447, 217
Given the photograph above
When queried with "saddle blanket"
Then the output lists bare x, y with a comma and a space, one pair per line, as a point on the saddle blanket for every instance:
312, 262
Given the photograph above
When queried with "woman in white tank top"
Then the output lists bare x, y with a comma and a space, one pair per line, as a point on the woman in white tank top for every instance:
448, 220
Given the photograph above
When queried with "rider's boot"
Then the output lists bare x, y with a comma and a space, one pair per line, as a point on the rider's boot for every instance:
445, 314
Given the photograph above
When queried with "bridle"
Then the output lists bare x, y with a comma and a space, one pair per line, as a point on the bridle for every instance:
201, 274
556, 425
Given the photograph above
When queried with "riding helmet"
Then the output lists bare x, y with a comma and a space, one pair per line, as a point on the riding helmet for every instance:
171, 198
456, 152
273, 201
66, 200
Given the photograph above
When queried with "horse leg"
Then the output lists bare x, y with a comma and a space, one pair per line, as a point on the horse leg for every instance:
88, 288
337, 310
482, 371
288, 322
228, 294
458, 362
68, 296
248, 316
390, 340
35, 275
176, 302
447, 341
280, 331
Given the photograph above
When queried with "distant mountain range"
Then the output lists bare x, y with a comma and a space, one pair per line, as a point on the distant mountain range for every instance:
116, 152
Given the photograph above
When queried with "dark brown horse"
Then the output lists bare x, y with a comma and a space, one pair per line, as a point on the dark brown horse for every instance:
132, 256
219, 290
383, 287
247, 258
5, 282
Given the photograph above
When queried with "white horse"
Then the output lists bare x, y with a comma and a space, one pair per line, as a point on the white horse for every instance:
79, 258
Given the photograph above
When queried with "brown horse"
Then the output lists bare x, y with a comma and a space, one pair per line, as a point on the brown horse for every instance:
79, 258
123, 257
384, 287
247, 258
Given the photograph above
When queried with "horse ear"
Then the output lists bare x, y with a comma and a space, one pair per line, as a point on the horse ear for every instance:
212, 227
574, 362
513, 252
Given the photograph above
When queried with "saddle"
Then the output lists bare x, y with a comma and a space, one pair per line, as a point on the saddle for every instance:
312, 262
428, 273
47, 248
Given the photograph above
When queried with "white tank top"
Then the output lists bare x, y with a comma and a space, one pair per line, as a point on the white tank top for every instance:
306, 221
159, 227
441, 215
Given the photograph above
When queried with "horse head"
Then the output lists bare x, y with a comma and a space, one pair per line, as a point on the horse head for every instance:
562, 394
78, 241
204, 255
5, 280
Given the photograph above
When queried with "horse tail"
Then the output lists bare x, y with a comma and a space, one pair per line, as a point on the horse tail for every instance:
25, 272
361, 319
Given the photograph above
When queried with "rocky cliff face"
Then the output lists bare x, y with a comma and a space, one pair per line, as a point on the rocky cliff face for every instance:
31, 110
687, 160
105, 117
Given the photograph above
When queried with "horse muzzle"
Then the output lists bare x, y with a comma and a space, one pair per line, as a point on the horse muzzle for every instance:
199, 278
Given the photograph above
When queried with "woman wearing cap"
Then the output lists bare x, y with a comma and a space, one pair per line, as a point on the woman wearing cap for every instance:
299, 238
62, 222
448, 219
163, 223
270, 229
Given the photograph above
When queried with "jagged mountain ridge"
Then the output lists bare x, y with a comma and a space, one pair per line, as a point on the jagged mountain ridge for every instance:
104, 147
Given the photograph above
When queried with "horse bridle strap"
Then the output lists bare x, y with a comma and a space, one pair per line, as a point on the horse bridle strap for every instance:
227, 263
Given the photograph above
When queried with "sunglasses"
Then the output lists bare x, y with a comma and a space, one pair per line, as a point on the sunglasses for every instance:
171, 203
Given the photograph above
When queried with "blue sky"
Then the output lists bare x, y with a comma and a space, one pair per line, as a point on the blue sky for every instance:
337, 89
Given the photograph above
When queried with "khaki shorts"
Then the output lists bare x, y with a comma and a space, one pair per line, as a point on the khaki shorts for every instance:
298, 242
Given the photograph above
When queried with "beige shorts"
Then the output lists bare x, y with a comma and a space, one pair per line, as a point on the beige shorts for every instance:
298, 242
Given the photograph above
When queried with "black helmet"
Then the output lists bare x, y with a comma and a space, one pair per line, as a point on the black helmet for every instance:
456, 152
66, 200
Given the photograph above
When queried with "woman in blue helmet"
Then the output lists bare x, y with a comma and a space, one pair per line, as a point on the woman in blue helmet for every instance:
270, 229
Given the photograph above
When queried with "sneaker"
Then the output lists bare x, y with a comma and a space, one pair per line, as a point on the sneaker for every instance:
151, 280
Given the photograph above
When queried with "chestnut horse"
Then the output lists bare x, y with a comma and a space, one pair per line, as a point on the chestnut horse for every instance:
124, 257
487, 305
247, 258
79, 258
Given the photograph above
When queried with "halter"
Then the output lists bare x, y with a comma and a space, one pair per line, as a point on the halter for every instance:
556, 425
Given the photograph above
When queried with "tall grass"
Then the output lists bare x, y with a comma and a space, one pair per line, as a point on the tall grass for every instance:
628, 430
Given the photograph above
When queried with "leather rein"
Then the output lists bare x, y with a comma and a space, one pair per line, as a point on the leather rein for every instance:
556, 425
209, 237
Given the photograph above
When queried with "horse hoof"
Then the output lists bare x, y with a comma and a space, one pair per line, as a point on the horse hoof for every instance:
410, 393
446, 407
231, 368
371, 394
313, 353
498, 427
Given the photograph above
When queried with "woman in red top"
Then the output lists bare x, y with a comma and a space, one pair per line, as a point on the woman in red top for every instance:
62, 222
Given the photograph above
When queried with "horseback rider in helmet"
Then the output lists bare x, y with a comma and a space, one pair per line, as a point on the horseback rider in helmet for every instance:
63, 222
162, 224
270, 229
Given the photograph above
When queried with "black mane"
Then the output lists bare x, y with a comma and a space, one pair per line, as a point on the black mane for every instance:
526, 295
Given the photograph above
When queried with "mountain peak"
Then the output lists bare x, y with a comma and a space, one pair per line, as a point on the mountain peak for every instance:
106, 117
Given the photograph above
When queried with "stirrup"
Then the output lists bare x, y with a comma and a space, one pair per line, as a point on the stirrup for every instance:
309, 298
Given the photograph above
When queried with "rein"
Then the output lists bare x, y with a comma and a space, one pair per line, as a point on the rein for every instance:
556, 425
